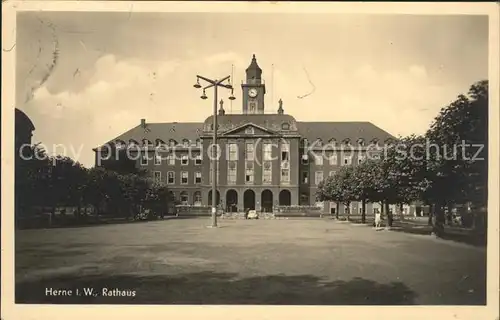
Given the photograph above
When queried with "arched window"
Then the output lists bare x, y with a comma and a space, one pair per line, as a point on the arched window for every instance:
285, 126
347, 142
319, 142
197, 198
160, 143
120, 144
133, 143
184, 197
361, 142
185, 143
332, 142
172, 142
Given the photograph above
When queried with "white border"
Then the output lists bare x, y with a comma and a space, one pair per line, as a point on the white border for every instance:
11, 311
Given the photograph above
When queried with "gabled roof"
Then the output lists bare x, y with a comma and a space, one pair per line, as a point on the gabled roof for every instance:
250, 124
268, 121
341, 131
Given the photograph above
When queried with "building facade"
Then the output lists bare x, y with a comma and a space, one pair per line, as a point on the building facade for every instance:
264, 159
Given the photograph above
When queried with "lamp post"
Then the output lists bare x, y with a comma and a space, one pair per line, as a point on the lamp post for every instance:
215, 84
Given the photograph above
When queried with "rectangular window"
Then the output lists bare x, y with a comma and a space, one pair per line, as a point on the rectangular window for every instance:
231, 172
184, 160
347, 160
376, 210
144, 159
285, 152
285, 175
333, 159
197, 160
158, 159
361, 158
184, 177
267, 172
157, 176
305, 159
332, 173
232, 152
171, 177
305, 177
171, 160
197, 177
249, 152
267, 151
318, 160
319, 177
249, 173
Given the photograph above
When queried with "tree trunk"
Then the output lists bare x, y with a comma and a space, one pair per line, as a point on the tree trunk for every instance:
449, 214
348, 206
439, 220
401, 214
432, 208
389, 214
52, 216
337, 210
363, 211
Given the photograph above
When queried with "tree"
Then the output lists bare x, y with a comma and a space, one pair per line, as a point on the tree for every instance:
457, 134
365, 184
337, 188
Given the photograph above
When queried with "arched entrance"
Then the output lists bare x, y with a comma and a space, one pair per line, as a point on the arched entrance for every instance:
249, 199
217, 195
267, 201
285, 198
231, 201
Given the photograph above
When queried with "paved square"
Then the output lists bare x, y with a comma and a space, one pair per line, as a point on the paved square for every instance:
294, 261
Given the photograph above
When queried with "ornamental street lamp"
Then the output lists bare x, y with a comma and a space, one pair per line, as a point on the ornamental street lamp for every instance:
215, 84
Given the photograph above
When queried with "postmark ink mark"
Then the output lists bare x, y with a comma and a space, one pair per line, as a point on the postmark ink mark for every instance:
11, 48
310, 82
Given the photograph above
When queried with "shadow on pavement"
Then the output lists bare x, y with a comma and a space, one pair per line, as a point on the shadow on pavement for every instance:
219, 288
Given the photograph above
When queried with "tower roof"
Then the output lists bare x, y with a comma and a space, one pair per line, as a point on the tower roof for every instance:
253, 70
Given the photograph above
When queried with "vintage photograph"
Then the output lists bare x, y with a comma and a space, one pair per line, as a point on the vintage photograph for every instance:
249, 158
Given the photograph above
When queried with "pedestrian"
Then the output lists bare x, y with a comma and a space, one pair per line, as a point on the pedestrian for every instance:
378, 219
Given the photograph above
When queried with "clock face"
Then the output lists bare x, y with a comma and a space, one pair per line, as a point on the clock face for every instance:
252, 92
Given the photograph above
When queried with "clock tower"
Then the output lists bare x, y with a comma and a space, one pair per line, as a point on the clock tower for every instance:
253, 89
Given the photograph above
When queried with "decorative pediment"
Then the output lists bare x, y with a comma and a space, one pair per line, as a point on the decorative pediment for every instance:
249, 129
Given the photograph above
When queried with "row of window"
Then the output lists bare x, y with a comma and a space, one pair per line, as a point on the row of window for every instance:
333, 159
184, 198
184, 177
233, 156
158, 143
346, 142
250, 130
170, 159
318, 177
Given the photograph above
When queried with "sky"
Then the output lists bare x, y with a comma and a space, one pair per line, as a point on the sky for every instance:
86, 77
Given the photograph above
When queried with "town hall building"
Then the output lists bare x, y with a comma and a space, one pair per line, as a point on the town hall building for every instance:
265, 159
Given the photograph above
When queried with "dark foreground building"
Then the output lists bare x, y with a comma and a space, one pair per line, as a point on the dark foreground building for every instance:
266, 159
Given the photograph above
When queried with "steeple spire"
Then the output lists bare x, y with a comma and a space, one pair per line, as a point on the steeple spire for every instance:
221, 109
254, 72
280, 109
